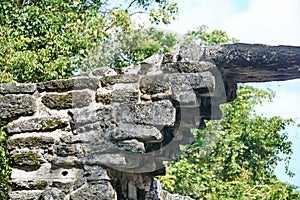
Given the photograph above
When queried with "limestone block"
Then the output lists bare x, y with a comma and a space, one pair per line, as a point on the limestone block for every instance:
103, 71
28, 184
156, 113
52, 193
64, 85
195, 67
95, 173
17, 88
88, 115
65, 162
25, 195
37, 124
105, 159
66, 150
30, 142
132, 146
28, 158
191, 53
73, 99
139, 132
101, 190
120, 78
17, 105
48, 173
124, 93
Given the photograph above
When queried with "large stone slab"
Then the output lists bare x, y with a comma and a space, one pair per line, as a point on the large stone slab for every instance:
156, 113
64, 85
73, 99
17, 105
17, 88
37, 124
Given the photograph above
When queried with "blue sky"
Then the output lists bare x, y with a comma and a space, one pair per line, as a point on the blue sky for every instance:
273, 22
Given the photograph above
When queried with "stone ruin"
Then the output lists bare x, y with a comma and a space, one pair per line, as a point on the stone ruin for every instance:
105, 134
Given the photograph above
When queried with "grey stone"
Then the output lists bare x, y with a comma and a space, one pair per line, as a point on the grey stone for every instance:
139, 132
195, 67
125, 95
25, 195
103, 71
30, 142
120, 78
101, 190
17, 105
95, 173
37, 124
190, 53
105, 159
87, 115
155, 84
51, 194
73, 99
28, 158
64, 85
17, 88
132, 146
66, 150
156, 113
65, 162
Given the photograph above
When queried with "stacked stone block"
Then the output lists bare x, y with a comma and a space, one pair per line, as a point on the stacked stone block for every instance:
105, 134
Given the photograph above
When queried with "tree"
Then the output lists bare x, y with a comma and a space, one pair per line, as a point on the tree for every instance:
129, 48
244, 149
48, 39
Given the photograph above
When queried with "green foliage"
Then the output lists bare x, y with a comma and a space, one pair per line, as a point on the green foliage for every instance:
129, 48
48, 39
4, 164
202, 37
235, 158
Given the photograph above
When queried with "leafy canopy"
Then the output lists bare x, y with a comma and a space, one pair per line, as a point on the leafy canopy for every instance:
48, 39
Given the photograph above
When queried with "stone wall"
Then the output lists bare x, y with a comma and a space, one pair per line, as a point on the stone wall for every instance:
105, 134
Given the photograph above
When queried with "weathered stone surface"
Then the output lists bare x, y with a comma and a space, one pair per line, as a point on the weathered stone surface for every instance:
87, 115
132, 146
37, 124
190, 53
255, 62
95, 173
101, 190
30, 142
139, 132
28, 185
157, 113
74, 99
195, 67
16, 105
29, 158
17, 88
177, 83
51, 194
25, 195
105, 159
120, 78
64, 85
103, 71
66, 162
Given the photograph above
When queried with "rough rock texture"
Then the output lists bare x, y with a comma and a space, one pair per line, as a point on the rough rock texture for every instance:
105, 134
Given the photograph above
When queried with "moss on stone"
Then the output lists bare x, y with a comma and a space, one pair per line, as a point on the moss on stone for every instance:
28, 158
104, 98
41, 185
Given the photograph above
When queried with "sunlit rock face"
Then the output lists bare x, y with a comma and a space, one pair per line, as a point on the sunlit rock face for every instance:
105, 134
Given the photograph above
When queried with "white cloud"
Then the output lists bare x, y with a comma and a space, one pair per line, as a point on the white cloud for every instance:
265, 21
